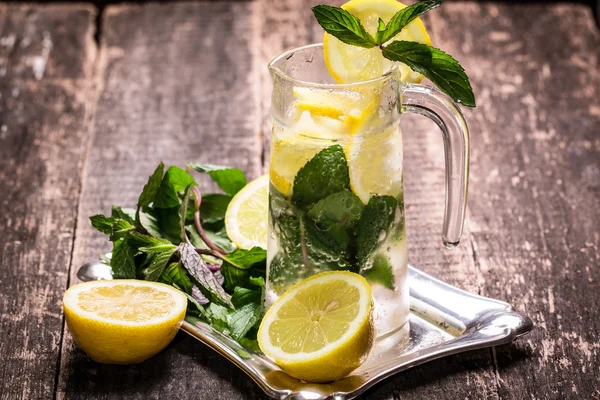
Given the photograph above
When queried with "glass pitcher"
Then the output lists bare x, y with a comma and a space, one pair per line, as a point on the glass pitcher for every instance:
336, 187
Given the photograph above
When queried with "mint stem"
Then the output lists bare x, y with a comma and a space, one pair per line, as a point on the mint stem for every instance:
198, 196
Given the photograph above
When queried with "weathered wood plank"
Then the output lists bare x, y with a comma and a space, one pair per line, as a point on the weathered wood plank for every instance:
178, 85
535, 183
46, 60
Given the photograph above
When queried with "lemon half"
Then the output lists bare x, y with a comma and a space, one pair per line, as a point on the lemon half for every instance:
123, 321
321, 329
349, 64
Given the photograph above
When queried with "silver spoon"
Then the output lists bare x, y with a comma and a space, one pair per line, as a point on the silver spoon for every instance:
94, 271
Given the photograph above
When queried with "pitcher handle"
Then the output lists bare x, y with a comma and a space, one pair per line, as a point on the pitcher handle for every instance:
440, 108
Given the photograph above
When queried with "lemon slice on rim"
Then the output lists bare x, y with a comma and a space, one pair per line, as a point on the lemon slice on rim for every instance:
321, 329
348, 63
123, 321
246, 217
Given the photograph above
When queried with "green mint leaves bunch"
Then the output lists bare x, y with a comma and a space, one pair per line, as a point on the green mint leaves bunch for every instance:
443, 70
176, 235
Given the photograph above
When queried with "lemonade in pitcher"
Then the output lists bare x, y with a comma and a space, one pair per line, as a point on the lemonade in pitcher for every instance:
336, 194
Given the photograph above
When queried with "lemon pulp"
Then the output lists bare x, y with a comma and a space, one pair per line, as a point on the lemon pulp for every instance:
321, 329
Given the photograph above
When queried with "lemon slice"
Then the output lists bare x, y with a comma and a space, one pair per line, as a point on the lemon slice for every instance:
246, 217
375, 164
348, 63
320, 330
123, 321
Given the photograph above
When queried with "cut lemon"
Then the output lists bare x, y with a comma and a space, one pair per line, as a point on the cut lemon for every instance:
289, 153
351, 107
348, 63
246, 217
123, 321
375, 163
321, 329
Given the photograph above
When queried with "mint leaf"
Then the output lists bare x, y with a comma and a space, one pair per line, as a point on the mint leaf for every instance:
376, 220
127, 214
120, 229
403, 18
213, 207
116, 228
197, 304
176, 275
343, 25
122, 262
200, 272
158, 262
174, 181
230, 180
326, 173
102, 223
218, 316
443, 70
380, 272
343, 208
243, 319
242, 296
168, 223
234, 277
258, 281
150, 189
151, 225
245, 259
183, 208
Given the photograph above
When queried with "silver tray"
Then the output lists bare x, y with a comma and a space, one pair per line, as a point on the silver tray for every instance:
444, 320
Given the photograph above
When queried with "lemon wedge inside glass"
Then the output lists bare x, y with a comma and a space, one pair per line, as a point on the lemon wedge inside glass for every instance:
123, 321
320, 330
348, 63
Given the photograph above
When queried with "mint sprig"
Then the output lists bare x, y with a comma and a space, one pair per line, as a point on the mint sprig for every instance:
343, 25
439, 67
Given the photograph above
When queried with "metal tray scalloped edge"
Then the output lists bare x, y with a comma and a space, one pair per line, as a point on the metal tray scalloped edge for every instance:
444, 320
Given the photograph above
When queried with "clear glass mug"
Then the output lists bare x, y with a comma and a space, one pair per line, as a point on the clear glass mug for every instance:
336, 194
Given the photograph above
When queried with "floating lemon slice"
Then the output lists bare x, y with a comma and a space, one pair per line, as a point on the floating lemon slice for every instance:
320, 330
246, 217
348, 63
375, 164
123, 321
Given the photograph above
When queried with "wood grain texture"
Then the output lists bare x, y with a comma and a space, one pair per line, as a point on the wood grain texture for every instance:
178, 85
46, 59
535, 184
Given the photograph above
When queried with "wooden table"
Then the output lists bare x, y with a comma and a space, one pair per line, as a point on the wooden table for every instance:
89, 104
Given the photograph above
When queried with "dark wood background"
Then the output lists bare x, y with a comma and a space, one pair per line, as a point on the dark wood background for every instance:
85, 115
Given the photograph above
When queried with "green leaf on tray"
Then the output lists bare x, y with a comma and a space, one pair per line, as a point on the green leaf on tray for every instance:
150, 189
376, 219
380, 271
343, 25
245, 259
326, 173
443, 70
168, 220
127, 214
205, 278
218, 316
213, 207
174, 274
122, 261
243, 319
242, 296
183, 208
102, 223
174, 181
403, 18
230, 180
